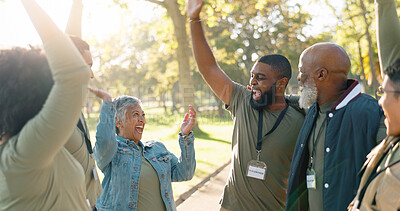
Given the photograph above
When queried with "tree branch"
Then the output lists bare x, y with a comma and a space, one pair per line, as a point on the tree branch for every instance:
161, 3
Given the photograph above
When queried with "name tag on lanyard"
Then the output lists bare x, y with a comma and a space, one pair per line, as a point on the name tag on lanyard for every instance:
256, 169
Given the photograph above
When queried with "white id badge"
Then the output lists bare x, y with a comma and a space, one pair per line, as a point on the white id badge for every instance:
95, 174
256, 169
311, 180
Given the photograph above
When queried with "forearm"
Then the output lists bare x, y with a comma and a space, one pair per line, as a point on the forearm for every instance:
216, 78
74, 25
185, 166
44, 26
43, 136
106, 144
388, 32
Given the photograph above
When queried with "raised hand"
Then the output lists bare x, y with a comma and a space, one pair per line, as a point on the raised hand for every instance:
193, 8
100, 94
188, 121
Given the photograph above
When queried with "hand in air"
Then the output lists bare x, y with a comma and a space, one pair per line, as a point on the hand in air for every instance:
193, 8
100, 94
188, 121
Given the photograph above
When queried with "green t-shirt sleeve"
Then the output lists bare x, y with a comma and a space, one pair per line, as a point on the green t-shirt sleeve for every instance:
388, 32
238, 95
43, 136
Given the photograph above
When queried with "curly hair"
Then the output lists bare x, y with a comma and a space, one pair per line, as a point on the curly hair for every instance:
25, 83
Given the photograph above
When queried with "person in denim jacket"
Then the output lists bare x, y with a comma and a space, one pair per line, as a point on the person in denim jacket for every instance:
138, 175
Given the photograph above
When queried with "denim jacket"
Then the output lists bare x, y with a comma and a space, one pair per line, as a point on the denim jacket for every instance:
120, 161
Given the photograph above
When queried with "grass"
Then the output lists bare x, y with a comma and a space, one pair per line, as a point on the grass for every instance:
212, 142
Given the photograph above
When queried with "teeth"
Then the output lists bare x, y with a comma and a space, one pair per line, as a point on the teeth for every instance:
139, 126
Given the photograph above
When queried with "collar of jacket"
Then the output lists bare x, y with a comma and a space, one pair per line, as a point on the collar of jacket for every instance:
353, 91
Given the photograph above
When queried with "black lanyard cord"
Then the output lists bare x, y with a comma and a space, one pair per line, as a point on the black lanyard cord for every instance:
260, 124
315, 140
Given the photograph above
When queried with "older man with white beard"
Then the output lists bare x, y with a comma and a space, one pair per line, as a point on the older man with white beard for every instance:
340, 129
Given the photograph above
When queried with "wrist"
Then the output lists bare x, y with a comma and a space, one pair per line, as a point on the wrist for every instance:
194, 20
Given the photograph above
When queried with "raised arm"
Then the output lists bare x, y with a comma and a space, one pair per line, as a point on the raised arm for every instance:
215, 77
388, 32
44, 135
183, 168
74, 25
106, 143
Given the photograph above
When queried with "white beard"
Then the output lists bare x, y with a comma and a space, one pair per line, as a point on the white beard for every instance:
309, 94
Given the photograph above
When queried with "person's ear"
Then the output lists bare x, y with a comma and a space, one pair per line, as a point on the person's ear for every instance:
321, 74
281, 85
118, 123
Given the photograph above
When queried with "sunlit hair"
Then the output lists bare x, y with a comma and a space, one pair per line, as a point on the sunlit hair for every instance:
279, 64
80, 44
25, 83
122, 103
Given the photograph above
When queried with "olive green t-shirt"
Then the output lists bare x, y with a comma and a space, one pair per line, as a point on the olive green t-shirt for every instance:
245, 193
149, 198
316, 143
76, 145
36, 171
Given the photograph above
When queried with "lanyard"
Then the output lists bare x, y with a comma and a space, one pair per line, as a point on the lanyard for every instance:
260, 124
315, 140
372, 176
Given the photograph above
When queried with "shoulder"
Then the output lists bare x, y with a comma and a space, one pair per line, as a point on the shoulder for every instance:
364, 104
240, 89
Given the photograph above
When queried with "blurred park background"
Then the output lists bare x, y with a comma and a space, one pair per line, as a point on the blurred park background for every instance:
142, 48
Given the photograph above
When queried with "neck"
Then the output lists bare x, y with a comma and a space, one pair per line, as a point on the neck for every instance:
280, 104
331, 97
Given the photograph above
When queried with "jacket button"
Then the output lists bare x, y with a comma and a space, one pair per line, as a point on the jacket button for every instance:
154, 159
327, 149
166, 195
163, 176
301, 145
326, 185
330, 115
132, 205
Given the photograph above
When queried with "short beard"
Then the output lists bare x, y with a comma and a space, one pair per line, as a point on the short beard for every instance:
267, 99
309, 94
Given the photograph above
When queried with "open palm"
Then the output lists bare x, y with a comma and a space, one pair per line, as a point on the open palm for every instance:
188, 121
193, 8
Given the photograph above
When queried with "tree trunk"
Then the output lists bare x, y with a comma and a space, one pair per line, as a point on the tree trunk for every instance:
183, 52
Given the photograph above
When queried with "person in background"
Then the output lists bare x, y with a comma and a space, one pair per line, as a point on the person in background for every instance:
138, 175
41, 100
79, 144
340, 129
265, 126
380, 182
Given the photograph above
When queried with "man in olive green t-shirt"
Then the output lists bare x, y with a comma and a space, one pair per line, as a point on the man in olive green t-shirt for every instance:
265, 127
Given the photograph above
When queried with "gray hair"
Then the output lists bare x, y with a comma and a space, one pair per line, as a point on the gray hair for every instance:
122, 103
